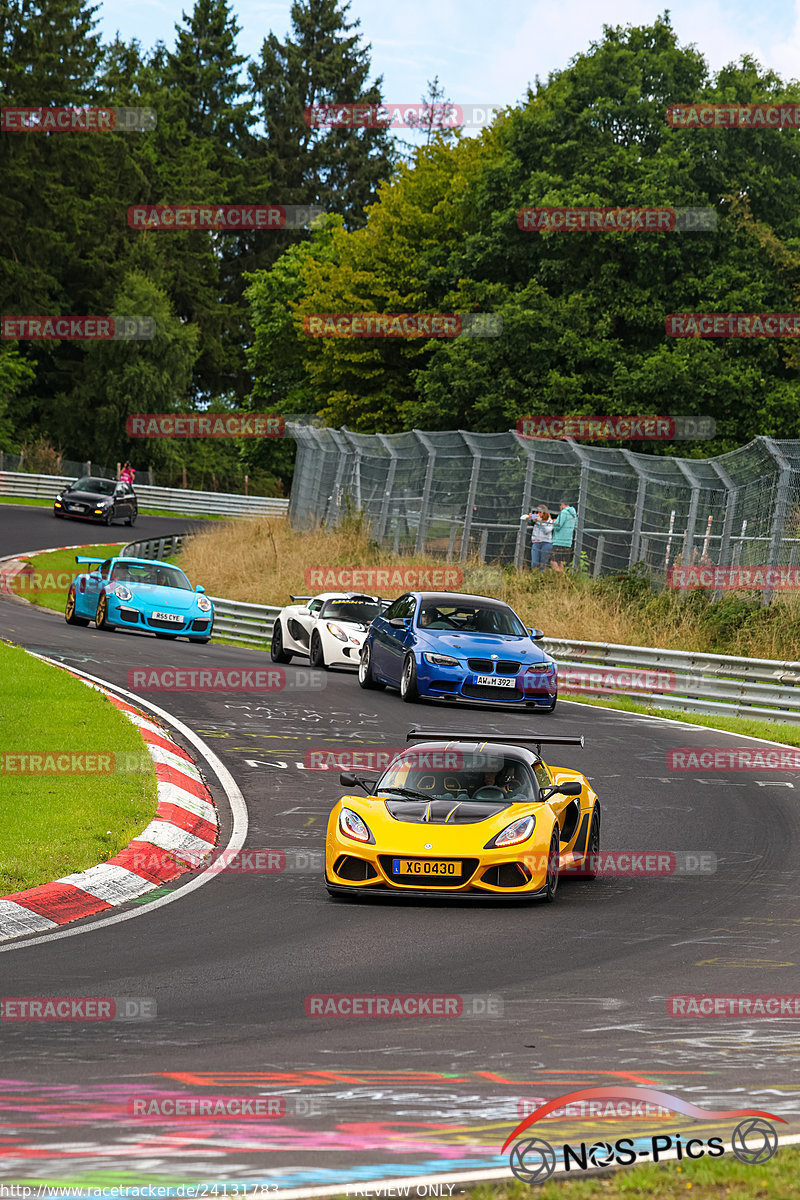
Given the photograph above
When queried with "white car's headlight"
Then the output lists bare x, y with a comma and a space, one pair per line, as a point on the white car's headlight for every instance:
204, 604
352, 826
337, 631
121, 592
440, 660
518, 831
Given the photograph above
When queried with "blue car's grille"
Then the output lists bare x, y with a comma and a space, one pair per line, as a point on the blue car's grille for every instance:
159, 624
488, 666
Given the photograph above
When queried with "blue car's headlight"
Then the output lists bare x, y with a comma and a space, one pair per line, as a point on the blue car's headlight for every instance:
440, 660
204, 604
121, 592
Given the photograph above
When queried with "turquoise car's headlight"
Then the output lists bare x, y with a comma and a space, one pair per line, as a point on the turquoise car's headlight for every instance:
121, 592
352, 826
204, 604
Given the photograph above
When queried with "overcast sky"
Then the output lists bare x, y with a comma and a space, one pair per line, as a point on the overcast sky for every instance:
489, 52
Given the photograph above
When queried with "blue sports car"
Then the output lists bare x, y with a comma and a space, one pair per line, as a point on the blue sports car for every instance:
139, 593
449, 646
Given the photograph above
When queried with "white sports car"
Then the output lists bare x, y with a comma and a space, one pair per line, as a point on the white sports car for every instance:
329, 629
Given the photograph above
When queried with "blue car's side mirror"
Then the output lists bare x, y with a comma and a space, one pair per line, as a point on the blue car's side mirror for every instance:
536, 634
199, 588
399, 622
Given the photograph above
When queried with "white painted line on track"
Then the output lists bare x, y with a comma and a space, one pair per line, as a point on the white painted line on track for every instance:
229, 786
750, 737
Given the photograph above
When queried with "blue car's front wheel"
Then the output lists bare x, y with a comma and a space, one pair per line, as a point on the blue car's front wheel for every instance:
365, 676
101, 616
408, 680
70, 615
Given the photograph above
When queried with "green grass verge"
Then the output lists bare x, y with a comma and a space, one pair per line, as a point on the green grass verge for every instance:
54, 570
144, 512
704, 1179
56, 824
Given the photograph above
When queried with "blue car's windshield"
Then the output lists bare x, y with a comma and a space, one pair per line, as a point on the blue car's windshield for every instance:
155, 574
471, 618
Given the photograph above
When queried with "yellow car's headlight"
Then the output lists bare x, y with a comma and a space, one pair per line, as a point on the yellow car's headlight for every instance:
352, 826
512, 835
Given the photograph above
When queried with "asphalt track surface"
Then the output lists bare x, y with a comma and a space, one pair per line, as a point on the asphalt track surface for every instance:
583, 982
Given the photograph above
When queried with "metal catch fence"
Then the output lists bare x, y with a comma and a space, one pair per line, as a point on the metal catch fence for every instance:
457, 494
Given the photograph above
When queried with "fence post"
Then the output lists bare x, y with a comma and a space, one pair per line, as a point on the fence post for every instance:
383, 519
150, 477
781, 505
638, 513
598, 558
472, 490
451, 544
484, 540
426, 491
527, 499
580, 524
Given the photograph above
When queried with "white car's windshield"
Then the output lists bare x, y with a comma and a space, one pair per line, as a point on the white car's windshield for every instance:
471, 618
363, 611
155, 574
449, 774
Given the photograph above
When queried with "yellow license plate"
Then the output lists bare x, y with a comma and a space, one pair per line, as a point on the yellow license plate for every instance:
425, 867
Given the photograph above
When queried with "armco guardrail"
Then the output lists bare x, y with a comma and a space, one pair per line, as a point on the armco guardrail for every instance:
708, 683
179, 500
159, 548
240, 622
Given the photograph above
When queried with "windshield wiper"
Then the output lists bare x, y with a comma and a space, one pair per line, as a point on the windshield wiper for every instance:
410, 792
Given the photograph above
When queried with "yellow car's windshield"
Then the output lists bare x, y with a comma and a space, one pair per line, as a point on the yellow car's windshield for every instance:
450, 774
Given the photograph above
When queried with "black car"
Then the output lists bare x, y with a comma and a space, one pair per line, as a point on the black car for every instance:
94, 499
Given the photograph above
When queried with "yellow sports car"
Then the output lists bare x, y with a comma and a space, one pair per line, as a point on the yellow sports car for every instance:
480, 815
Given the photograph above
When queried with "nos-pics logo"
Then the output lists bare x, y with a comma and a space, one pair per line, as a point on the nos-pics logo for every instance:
533, 1160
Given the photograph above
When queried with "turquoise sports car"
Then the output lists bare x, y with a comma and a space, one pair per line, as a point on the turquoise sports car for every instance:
141, 594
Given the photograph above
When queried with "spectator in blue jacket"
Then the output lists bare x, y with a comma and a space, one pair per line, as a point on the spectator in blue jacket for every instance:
563, 535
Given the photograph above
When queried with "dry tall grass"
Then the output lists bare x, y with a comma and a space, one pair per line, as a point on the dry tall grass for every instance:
262, 560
